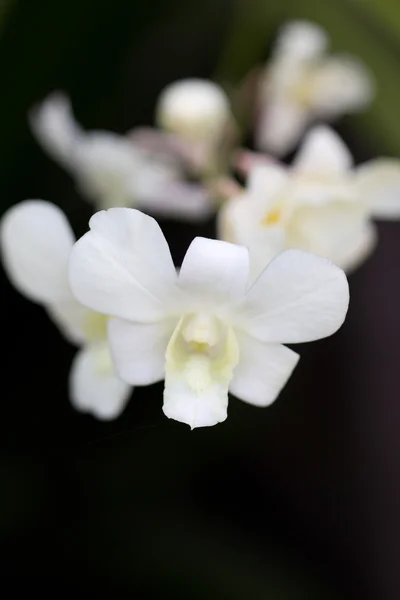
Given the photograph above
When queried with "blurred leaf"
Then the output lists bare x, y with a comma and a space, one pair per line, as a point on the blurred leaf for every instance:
5, 8
384, 14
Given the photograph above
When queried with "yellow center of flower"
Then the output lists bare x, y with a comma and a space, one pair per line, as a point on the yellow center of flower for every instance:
301, 91
279, 213
301, 95
273, 217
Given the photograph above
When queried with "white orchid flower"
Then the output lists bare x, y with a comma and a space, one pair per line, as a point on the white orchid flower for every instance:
303, 83
321, 204
204, 330
110, 170
36, 242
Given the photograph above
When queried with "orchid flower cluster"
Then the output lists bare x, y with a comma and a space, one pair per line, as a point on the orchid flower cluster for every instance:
220, 323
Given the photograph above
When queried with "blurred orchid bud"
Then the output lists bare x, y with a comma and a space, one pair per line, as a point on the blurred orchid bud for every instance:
194, 109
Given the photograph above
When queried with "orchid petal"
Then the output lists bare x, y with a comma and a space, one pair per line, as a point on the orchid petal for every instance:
262, 372
36, 242
123, 267
299, 297
94, 386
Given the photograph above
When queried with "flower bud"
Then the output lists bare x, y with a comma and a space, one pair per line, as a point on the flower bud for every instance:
194, 109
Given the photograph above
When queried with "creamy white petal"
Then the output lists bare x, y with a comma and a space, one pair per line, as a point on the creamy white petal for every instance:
322, 170
264, 246
337, 230
323, 153
203, 409
94, 386
114, 172
319, 192
106, 166
95, 326
123, 267
303, 40
181, 200
139, 349
299, 297
55, 128
153, 174
229, 220
340, 84
363, 245
262, 372
160, 188
378, 185
69, 315
240, 222
280, 125
161, 144
77, 323
266, 181
214, 271
36, 242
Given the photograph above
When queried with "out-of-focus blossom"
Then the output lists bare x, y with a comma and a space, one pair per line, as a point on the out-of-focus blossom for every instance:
321, 204
194, 109
204, 330
303, 83
111, 170
197, 123
36, 242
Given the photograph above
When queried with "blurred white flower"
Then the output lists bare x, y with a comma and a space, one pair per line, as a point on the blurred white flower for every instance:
36, 242
322, 204
204, 330
111, 170
302, 83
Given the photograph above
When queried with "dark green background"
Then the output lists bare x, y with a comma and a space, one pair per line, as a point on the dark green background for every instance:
297, 501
